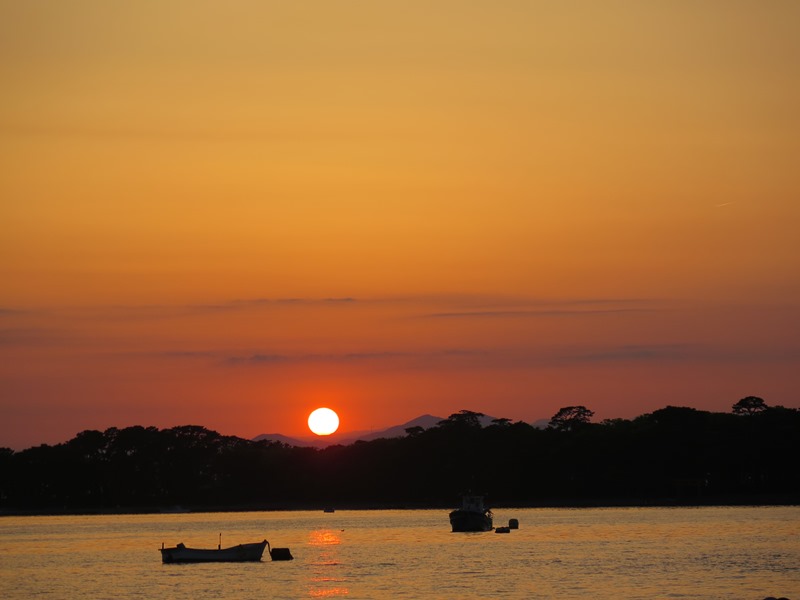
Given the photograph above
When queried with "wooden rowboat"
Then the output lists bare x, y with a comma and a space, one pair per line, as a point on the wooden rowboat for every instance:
241, 553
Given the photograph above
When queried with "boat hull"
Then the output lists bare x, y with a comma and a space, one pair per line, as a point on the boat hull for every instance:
463, 520
240, 553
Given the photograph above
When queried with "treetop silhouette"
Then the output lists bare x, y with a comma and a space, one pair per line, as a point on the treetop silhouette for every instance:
672, 455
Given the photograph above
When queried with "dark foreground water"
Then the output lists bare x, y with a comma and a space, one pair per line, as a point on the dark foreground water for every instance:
736, 553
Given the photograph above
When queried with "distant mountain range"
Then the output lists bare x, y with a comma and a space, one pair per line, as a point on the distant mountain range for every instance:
424, 421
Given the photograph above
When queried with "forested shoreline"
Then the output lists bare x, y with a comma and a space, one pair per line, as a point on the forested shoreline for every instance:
675, 455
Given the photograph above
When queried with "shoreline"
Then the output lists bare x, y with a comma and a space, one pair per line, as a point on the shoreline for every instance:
765, 501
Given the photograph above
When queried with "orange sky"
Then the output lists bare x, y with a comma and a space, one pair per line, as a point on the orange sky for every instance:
227, 214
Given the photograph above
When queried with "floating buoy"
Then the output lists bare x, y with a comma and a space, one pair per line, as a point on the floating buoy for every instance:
513, 524
280, 554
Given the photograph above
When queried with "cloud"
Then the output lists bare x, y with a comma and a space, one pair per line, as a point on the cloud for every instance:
525, 308
519, 314
451, 306
502, 357
678, 352
188, 354
260, 358
27, 336
459, 305
634, 352
283, 301
122, 312
272, 358
488, 357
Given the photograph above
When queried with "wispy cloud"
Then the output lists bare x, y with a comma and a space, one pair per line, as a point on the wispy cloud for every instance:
519, 314
264, 359
188, 354
447, 306
171, 311
491, 357
676, 352
634, 352
29, 336
500, 357
292, 301
269, 358
524, 308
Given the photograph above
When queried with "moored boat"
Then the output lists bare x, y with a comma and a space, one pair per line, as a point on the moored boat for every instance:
240, 553
472, 516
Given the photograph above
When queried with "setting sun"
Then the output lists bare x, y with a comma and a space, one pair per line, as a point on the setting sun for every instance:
323, 421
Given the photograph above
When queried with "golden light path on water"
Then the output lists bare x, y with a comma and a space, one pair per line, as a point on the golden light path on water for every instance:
634, 553
323, 583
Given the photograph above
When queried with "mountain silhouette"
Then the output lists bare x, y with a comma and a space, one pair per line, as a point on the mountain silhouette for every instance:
424, 421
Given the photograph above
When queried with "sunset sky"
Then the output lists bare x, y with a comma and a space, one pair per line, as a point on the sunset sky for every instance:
230, 213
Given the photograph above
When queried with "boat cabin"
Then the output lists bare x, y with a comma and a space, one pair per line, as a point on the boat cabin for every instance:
472, 504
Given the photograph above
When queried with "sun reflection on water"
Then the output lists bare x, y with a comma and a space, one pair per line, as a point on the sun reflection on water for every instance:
328, 592
324, 537
325, 579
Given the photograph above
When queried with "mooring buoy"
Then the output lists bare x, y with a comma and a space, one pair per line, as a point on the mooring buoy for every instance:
280, 554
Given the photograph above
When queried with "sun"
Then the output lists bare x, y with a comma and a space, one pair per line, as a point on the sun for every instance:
323, 421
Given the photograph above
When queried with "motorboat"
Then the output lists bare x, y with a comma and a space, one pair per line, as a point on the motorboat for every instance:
472, 516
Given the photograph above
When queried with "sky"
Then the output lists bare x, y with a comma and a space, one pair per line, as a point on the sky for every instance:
230, 213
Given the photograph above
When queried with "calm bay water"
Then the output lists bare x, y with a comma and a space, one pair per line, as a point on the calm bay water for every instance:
739, 552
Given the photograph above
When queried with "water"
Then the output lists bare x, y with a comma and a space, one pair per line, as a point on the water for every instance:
740, 552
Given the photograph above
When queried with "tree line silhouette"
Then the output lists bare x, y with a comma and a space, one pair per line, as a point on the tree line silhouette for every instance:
675, 455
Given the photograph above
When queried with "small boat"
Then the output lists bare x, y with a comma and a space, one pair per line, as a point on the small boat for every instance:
241, 553
472, 516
